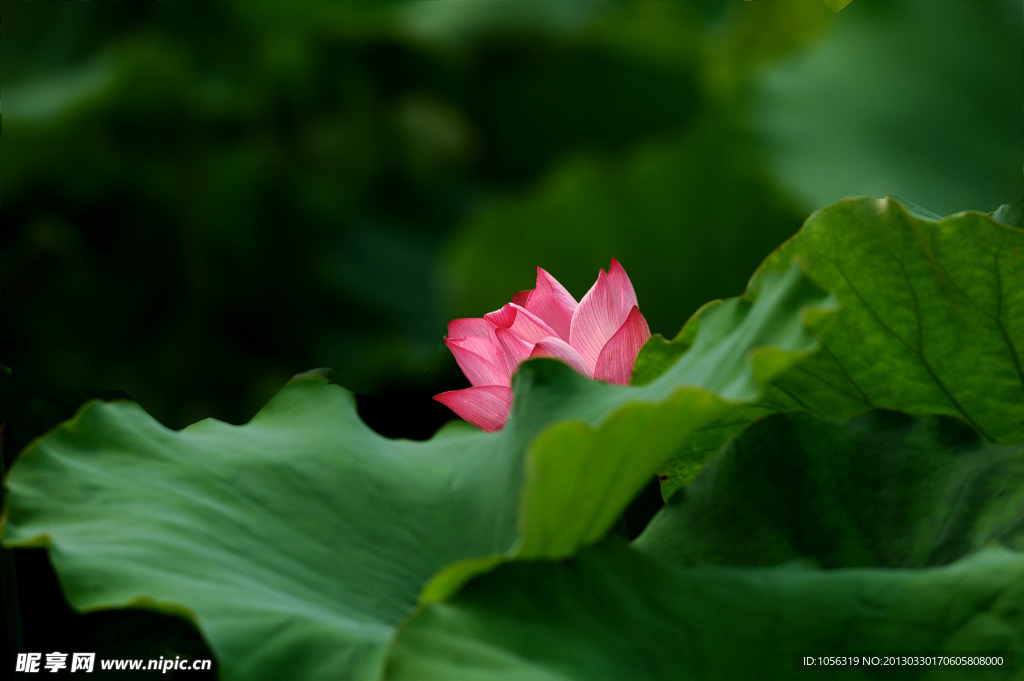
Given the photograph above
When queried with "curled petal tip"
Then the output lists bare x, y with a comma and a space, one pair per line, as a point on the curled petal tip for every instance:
522, 322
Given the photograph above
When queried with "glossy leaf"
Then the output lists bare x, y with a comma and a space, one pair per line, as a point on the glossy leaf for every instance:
612, 613
298, 541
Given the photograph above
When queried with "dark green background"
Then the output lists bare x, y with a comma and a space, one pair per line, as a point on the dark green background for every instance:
201, 200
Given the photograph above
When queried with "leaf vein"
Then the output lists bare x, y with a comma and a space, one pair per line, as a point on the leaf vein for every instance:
920, 355
1002, 327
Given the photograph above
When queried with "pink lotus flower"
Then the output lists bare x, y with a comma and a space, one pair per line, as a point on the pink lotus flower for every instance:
600, 338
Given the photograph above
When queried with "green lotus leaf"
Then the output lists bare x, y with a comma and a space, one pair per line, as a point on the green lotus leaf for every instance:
933, 314
297, 530
907, 511
613, 613
879, 490
931, 322
298, 541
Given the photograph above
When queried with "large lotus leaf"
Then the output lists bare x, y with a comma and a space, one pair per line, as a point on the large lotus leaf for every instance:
298, 541
882, 489
933, 314
302, 528
836, 5
613, 613
931, 321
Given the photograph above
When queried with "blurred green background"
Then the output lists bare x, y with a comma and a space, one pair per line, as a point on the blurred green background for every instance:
201, 199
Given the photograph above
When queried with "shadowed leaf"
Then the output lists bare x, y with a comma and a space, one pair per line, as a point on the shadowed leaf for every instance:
612, 613
882, 489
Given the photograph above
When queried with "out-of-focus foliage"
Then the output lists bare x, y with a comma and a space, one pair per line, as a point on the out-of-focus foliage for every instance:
306, 528
665, 207
204, 199
930, 112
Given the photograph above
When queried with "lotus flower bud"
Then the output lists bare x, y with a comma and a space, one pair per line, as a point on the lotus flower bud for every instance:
599, 337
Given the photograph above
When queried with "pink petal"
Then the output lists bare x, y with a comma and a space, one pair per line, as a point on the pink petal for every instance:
485, 406
530, 327
516, 349
619, 281
616, 360
481, 361
559, 349
595, 320
485, 347
552, 303
463, 328
521, 298
503, 318
523, 323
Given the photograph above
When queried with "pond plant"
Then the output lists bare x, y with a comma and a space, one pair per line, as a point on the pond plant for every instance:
840, 448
